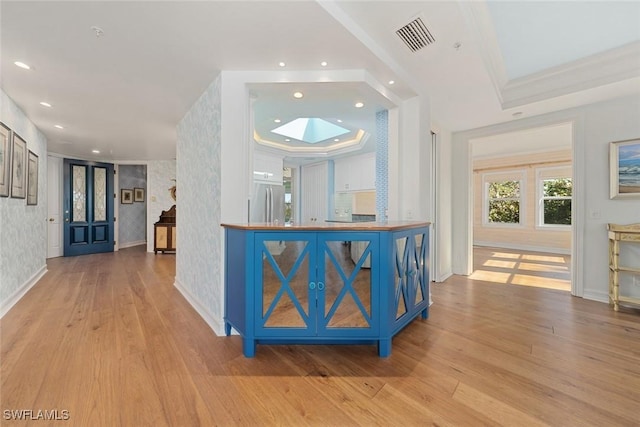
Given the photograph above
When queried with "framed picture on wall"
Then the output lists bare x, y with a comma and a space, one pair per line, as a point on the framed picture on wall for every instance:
624, 166
5, 160
138, 194
18, 166
126, 196
32, 179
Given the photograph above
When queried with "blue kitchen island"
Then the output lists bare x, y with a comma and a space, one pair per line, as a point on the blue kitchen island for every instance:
325, 283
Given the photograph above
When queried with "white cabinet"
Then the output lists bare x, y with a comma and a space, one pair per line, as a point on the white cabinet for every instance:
355, 173
267, 167
314, 197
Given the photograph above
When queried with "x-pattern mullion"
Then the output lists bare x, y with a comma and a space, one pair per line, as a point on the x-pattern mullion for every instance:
285, 283
347, 283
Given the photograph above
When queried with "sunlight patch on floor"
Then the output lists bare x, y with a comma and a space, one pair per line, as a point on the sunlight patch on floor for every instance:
541, 282
505, 255
491, 276
543, 258
542, 267
499, 264
551, 271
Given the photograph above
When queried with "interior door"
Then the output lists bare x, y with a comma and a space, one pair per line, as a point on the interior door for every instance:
88, 207
54, 207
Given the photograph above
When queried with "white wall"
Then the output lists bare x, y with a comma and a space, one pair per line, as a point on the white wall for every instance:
595, 126
604, 123
161, 176
23, 229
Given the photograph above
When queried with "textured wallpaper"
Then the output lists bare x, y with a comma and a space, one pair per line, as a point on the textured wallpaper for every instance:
198, 257
161, 175
382, 164
23, 229
132, 217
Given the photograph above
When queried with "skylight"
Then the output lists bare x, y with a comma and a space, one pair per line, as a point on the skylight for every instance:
310, 130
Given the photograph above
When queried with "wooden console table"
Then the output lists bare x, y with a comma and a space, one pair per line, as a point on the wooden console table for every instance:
165, 232
621, 233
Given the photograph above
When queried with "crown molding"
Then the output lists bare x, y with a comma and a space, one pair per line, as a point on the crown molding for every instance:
597, 70
612, 66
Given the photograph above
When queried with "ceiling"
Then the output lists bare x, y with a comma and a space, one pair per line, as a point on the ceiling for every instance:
123, 89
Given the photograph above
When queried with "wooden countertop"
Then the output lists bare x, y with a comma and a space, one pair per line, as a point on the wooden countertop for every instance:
330, 226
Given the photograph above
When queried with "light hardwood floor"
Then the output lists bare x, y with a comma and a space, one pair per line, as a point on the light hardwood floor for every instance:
108, 338
524, 268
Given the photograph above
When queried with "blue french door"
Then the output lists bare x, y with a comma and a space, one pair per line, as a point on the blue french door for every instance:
88, 207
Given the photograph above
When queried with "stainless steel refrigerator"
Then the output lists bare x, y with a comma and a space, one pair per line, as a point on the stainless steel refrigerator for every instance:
267, 203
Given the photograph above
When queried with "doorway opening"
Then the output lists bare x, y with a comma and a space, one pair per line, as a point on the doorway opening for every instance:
522, 207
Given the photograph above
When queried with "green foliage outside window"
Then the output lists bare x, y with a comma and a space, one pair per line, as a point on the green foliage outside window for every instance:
504, 202
556, 201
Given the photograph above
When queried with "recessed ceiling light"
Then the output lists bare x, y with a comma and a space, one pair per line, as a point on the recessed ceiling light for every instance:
58, 126
298, 95
22, 65
336, 140
339, 121
95, 151
287, 140
391, 82
359, 104
281, 64
45, 104
277, 120
323, 63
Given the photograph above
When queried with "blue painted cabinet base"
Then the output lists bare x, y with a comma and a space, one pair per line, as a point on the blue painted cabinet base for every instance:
399, 289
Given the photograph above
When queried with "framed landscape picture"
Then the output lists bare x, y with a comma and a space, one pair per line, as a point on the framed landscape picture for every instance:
126, 196
5, 160
138, 194
32, 179
18, 167
624, 165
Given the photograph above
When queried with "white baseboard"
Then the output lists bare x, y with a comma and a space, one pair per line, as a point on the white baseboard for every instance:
21, 291
520, 247
596, 296
443, 277
206, 315
132, 244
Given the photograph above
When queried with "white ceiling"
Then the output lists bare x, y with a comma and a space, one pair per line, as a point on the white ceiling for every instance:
124, 92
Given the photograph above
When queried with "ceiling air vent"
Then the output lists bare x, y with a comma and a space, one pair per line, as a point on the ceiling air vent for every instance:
415, 35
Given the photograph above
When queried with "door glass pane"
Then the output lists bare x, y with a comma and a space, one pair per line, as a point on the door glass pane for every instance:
347, 293
285, 274
79, 211
99, 194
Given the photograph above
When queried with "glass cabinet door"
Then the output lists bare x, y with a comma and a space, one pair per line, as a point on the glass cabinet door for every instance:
284, 280
411, 273
346, 294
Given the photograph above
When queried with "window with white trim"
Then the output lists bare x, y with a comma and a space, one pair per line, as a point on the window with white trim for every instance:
503, 199
555, 201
